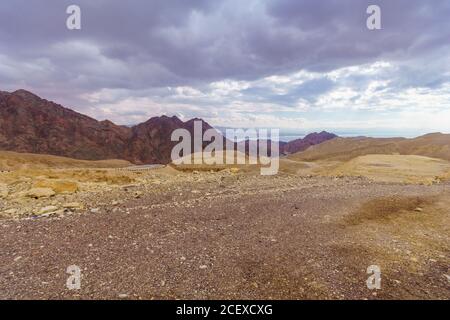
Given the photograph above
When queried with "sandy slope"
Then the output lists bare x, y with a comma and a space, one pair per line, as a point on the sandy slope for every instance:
393, 168
14, 161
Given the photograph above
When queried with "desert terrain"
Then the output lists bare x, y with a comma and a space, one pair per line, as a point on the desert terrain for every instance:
171, 232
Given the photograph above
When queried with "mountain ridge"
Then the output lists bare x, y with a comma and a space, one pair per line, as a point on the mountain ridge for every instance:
31, 124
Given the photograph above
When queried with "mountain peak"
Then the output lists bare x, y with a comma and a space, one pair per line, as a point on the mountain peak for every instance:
25, 94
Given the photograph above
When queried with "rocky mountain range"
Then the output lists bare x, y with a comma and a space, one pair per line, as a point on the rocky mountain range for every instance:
31, 124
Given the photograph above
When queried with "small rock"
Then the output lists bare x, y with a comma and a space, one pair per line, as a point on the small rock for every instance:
447, 277
3, 191
123, 296
17, 258
48, 209
234, 170
95, 210
203, 267
10, 212
418, 209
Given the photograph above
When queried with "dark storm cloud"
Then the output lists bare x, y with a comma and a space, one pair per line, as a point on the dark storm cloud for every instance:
183, 42
139, 46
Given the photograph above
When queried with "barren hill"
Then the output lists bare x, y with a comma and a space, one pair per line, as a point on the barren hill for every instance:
13, 161
435, 145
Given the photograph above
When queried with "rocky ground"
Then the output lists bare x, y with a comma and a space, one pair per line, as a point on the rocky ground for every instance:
225, 235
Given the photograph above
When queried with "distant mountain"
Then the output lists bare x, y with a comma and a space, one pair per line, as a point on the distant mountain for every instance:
435, 145
34, 125
308, 141
295, 145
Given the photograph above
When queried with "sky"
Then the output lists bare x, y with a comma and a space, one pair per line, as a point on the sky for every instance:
298, 65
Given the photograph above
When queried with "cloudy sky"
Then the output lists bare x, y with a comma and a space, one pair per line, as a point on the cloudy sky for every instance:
297, 64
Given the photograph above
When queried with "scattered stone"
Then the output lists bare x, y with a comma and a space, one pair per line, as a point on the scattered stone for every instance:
95, 210
17, 258
73, 205
203, 267
418, 210
447, 277
123, 296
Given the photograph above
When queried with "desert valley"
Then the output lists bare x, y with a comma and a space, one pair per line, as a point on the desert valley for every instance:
106, 198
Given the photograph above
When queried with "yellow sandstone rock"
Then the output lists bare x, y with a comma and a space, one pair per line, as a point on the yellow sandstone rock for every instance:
58, 186
39, 193
234, 170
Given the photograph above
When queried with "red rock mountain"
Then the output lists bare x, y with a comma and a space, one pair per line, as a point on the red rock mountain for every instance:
31, 124
34, 125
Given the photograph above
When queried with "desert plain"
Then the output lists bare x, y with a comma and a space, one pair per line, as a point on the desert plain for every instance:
202, 232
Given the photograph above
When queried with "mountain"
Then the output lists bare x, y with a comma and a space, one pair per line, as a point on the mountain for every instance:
308, 141
435, 145
34, 125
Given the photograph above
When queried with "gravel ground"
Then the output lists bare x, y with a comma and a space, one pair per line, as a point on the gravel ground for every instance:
232, 237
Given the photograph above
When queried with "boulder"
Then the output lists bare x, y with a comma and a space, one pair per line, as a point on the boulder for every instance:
39, 193
58, 186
